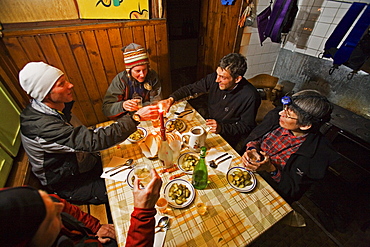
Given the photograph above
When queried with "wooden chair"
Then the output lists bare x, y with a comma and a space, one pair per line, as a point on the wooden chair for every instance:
270, 92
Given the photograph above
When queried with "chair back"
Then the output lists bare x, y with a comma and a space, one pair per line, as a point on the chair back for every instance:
269, 90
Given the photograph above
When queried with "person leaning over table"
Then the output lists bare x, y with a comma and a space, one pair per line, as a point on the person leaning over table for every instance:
137, 80
232, 101
294, 153
31, 217
65, 158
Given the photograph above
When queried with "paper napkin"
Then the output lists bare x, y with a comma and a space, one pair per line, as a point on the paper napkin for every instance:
159, 237
121, 176
149, 147
224, 166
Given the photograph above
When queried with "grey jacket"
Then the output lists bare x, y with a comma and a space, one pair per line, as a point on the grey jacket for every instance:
53, 144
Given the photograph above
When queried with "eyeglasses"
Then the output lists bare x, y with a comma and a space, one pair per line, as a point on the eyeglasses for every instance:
286, 112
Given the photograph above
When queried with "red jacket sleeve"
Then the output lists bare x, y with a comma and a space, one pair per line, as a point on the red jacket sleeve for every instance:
89, 221
141, 231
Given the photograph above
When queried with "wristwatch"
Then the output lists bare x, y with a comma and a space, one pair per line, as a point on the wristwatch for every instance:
136, 117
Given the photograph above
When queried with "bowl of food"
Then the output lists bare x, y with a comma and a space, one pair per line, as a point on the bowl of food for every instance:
241, 179
138, 135
187, 162
175, 124
179, 193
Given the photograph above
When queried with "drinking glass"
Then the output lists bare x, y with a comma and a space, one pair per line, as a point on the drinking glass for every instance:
156, 122
142, 172
202, 208
162, 205
139, 101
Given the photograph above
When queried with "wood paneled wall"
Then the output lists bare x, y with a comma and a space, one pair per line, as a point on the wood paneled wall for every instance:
90, 55
219, 33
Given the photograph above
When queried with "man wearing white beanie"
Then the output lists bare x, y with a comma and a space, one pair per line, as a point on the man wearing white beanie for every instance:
137, 81
64, 157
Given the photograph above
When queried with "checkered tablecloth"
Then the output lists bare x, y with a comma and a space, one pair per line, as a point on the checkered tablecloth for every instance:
233, 218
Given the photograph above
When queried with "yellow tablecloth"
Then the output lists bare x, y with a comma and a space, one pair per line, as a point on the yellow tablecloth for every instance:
233, 218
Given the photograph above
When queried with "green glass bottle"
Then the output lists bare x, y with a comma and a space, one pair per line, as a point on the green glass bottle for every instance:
200, 173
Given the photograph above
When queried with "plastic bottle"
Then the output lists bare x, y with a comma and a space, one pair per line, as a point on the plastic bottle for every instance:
200, 173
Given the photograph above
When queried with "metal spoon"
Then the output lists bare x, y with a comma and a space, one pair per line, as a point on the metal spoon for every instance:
213, 164
127, 163
162, 223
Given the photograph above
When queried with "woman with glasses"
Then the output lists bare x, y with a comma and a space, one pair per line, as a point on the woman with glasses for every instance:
287, 148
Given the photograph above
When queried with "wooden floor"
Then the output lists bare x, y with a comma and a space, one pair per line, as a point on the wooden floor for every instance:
341, 228
98, 211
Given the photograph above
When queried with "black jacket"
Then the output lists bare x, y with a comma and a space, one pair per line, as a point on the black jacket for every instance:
305, 166
234, 110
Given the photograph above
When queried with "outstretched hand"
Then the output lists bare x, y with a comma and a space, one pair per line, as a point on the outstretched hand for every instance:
166, 104
148, 112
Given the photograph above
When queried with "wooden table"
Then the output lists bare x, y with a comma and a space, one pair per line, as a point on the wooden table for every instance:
233, 218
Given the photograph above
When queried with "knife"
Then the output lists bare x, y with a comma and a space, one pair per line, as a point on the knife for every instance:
224, 160
124, 169
219, 157
185, 111
127, 163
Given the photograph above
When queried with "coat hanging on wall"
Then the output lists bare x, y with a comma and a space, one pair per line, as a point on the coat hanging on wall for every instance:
272, 23
355, 49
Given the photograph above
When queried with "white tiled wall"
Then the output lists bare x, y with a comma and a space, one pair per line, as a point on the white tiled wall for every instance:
315, 21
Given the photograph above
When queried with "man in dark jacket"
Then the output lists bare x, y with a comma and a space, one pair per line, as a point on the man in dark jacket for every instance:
289, 151
65, 157
31, 217
232, 101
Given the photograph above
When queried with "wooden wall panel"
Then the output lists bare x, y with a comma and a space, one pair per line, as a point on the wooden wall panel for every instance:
115, 41
218, 33
90, 55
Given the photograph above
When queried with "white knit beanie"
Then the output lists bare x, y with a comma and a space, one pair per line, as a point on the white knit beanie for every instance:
37, 79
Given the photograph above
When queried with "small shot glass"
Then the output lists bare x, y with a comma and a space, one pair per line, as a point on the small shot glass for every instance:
202, 208
162, 205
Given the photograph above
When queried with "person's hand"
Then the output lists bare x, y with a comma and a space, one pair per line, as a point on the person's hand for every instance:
253, 164
105, 233
166, 104
215, 127
148, 112
147, 197
131, 105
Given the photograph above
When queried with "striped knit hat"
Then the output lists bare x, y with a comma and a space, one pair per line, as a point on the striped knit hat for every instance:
134, 55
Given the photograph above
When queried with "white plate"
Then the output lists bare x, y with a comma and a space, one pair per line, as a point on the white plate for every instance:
143, 137
177, 120
130, 175
180, 161
247, 188
189, 199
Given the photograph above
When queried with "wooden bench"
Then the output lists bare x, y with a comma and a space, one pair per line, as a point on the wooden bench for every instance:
21, 175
